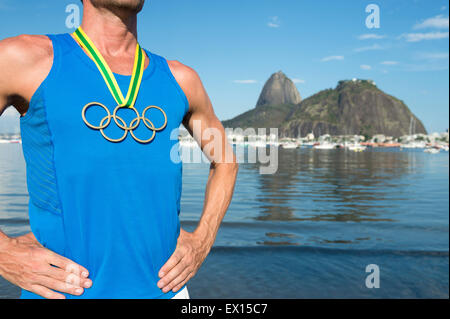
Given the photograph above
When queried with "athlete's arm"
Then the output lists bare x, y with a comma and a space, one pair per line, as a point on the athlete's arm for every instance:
24, 63
205, 127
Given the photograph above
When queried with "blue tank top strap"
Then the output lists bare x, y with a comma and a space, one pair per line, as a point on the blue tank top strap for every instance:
158, 60
63, 41
58, 52
56, 42
164, 66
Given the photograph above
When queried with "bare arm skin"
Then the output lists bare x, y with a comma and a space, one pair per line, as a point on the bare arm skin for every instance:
25, 61
192, 248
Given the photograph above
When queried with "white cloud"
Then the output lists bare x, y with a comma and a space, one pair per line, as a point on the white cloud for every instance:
369, 48
333, 58
416, 37
432, 55
245, 81
298, 81
426, 67
437, 22
389, 63
274, 22
365, 67
370, 36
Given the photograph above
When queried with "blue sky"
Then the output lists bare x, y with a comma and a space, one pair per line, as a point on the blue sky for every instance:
236, 45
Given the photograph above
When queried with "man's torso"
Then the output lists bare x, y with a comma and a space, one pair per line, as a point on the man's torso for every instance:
111, 207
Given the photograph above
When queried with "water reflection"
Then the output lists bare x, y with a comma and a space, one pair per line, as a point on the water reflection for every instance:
334, 185
336, 210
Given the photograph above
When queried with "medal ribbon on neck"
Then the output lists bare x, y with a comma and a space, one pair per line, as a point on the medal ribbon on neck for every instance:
128, 102
108, 76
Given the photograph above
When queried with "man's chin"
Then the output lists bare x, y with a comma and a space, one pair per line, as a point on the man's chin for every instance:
128, 5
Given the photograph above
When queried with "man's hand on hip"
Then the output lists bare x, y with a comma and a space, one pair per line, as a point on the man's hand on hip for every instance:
184, 263
27, 264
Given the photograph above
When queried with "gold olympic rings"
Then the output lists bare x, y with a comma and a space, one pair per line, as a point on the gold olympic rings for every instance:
104, 123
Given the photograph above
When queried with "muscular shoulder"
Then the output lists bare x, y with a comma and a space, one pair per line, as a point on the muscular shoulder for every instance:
25, 50
24, 60
189, 81
183, 73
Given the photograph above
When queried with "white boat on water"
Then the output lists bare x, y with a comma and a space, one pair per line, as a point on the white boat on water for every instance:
432, 150
289, 145
325, 146
414, 145
308, 143
357, 148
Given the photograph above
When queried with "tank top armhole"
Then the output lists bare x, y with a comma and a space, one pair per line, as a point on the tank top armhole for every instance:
41, 88
163, 64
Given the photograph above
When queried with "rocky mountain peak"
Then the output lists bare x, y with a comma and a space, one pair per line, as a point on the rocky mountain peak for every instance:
355, 106
279, 89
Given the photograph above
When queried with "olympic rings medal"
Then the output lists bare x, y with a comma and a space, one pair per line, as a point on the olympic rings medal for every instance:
120, 122
153, 127
110, 139
102, 126
125, 127
138, 139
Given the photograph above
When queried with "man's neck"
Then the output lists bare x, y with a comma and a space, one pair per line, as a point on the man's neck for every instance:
113, 33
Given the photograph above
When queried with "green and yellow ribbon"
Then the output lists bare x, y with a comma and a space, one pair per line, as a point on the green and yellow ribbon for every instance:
108, 76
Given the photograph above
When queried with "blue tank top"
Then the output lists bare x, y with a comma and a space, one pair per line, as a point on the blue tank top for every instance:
110, 207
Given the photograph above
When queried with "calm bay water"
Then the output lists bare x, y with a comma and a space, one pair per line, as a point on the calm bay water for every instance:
310, 230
